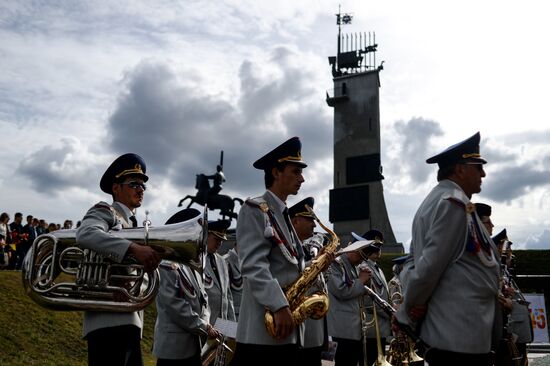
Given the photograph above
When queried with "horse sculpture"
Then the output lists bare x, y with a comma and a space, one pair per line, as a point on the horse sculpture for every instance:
209, 196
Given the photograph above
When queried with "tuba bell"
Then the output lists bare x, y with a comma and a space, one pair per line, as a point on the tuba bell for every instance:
58, 275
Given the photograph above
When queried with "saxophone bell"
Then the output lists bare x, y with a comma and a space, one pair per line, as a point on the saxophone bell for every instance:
301, 306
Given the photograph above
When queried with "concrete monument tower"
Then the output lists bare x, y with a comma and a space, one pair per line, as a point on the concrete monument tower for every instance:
357, 200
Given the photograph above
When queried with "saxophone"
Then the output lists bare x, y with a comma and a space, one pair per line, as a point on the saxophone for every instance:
301, 306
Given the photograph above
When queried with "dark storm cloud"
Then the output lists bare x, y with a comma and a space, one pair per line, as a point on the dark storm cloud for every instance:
512, 182
413, 146
179, 128
54, 169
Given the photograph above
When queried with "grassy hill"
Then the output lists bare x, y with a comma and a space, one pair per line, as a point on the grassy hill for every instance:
32, 335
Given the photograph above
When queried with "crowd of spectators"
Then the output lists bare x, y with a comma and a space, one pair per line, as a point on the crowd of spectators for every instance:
16, 238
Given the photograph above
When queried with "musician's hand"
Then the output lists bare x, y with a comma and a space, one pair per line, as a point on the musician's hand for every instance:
417, 312
145, 255
365, 274
506, 303
212, 332
284, 323
509, 291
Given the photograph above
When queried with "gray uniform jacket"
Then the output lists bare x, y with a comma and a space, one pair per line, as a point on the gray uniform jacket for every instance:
520, 321
93, 234
346, 294
220, 300
458, 286
380, 286
235, 279
182, 311
265, 269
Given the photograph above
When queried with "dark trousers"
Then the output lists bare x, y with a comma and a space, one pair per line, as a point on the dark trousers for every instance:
438, 357
349, 352
259, 354
309, 356
191, 361
115, 346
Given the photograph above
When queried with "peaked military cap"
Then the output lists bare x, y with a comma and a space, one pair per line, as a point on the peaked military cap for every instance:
219, 228
300, 209
466, 152
370, 235
127, 164
183, 215
483, 209
356, 246
288, 152
402, 259
500, 237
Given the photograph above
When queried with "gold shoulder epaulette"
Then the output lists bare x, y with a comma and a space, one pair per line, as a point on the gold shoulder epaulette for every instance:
258, 202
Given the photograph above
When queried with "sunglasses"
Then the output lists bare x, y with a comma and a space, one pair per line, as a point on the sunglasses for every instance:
135, 185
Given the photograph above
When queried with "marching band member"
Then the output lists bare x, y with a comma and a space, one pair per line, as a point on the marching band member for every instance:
271, 258
453, 285
315, 332
114, 338
483, 210
518, 322
183, 315
235, 278
346, 288
379, 285
394, 284
216, 274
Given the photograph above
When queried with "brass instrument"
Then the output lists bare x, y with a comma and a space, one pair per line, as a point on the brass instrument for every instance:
380, 359
422, 346
215, 351
401, 351
365, 324
59, 275
314, 306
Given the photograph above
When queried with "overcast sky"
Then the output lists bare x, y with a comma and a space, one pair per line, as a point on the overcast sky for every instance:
177, 81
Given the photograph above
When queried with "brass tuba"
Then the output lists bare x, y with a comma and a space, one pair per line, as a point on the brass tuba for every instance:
314, 306
59, 275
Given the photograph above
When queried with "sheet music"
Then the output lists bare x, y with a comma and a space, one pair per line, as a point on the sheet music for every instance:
226, 327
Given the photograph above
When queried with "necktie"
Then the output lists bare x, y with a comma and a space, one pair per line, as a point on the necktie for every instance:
287, 220
214, 267
134, 221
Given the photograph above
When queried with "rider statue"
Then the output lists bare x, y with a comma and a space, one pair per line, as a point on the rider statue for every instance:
210, 194
217, 179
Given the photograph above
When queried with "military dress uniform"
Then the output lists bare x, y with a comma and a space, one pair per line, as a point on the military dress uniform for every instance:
182, 314
379, 285
315, 332
235, 279
271, 258
346, 297
216, 276
455, 271
113, 338
518, 320
220, 299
